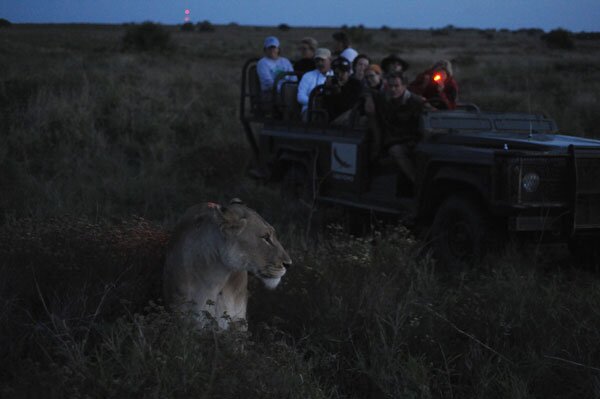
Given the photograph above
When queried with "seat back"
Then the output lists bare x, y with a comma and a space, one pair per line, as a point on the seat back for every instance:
316, 107
254, 91
290, 108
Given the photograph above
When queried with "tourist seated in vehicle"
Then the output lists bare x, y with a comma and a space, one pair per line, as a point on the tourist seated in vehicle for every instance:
314, 78
340, 92
271, 66
306, 63
373, 78
393, 64
394, 122
343, 47
437, 85
359, 66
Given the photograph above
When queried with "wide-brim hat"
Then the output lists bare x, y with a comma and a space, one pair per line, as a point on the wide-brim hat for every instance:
390, 59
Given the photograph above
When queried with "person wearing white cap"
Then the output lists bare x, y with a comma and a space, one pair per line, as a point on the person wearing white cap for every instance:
272, 65
343, 46
316, 77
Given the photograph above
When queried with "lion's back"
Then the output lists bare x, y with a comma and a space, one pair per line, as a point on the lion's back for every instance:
193, 244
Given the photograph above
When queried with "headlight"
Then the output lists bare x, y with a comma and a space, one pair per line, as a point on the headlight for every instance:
531, 182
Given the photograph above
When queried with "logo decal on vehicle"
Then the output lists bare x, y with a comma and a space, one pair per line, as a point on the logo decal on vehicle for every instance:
343, 158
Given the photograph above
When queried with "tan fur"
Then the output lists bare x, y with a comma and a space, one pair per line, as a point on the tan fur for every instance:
211, 251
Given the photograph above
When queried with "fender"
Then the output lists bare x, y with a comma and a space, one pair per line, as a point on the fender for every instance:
474, 178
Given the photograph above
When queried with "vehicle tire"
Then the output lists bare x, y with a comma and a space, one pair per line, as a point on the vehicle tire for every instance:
460, 233
585, 253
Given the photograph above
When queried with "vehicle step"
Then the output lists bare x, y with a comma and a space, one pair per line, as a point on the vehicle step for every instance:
405, 207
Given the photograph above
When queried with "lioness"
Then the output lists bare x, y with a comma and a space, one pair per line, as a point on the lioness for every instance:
209, 256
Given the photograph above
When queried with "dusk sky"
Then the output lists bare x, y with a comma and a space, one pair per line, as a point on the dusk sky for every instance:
575, 15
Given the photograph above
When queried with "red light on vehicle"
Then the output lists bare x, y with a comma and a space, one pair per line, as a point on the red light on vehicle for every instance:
437, 77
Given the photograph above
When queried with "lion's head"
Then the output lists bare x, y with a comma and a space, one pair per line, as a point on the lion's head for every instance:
211, 250
252, 243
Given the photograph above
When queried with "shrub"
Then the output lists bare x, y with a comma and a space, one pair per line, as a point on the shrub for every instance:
529, 31
283, 27
488, 34
5, 23
559, 39
587, 35
187, 27
205, 26
440, 32
385, 28
358, 34
146, 37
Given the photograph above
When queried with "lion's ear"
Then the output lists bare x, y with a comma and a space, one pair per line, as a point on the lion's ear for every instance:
233, 221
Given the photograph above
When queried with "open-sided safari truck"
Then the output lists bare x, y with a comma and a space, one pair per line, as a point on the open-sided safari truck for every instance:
480, 175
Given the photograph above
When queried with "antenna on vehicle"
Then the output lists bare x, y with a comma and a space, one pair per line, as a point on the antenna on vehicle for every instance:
530, 130
529, 107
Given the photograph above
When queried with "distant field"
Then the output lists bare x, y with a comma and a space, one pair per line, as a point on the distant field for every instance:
94, 136
90, 127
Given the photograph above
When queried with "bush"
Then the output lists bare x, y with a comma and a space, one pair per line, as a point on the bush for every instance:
440, 32
205, 26
187, 27
488, 34
587, 35
358, 34
283, 27
529, 31
5, 23
146, 37
559, 39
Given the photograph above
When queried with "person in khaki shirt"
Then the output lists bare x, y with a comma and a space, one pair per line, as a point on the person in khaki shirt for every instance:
394, 122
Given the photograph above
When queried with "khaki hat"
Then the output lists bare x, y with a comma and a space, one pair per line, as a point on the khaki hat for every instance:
310, 41
323, 53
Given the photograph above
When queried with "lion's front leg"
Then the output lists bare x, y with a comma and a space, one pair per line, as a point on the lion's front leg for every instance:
232, 302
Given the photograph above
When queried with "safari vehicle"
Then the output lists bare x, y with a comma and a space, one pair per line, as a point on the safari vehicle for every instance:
480, 175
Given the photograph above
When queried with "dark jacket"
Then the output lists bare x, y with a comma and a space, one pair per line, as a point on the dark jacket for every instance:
338, 99
398, 118
304, 65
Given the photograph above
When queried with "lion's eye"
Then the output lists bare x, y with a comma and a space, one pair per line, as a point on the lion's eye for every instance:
267, 238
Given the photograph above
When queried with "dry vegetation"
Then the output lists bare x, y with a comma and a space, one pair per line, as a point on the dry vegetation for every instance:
95, 132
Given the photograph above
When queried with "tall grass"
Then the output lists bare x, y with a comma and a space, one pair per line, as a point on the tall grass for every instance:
354, 318
92, 135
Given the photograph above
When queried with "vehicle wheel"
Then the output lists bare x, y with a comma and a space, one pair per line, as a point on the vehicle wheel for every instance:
460, 233
585, 253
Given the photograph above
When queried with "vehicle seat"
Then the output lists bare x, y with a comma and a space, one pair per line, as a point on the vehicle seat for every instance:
288, 103
316, 106
254, 91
